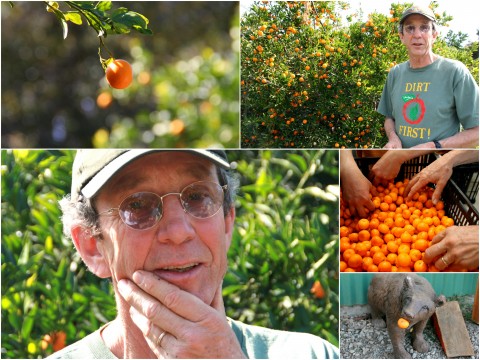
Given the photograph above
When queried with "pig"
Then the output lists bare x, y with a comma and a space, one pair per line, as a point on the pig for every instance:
407, 296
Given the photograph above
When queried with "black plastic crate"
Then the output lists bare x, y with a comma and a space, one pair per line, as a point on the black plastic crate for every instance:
466, 177
457, 205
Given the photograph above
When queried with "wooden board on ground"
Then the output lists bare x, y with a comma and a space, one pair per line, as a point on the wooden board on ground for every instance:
452, 331
475, 307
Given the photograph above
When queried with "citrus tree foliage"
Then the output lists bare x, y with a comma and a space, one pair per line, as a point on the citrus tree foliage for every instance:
185, 91
312, 77
285, 240
45, 287
100, 16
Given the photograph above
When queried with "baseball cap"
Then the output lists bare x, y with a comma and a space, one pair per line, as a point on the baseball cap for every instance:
92, 168
420, 10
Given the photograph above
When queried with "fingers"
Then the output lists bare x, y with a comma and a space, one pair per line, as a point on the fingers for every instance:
360, 211
436, 249
176, 323
439, 253
413, 186
180, 302
150, 307
158, 339
438, 190
362, 208
161, 301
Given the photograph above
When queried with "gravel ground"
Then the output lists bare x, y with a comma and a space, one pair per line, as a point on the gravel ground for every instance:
360, 340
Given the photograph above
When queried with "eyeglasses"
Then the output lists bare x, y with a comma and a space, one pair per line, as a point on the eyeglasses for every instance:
410, 29
143, 210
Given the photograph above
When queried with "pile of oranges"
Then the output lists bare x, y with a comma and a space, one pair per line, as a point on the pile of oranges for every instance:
395, 235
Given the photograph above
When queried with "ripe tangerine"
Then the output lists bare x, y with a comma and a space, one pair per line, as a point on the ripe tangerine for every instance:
403, 323
119, 74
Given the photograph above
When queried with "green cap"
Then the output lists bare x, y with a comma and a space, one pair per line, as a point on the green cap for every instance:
92, 168
420, 10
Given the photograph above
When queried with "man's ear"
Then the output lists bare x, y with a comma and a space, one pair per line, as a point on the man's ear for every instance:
87, 246
229, 223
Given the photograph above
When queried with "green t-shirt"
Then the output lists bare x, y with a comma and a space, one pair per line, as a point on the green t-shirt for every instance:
256, 343
430, 103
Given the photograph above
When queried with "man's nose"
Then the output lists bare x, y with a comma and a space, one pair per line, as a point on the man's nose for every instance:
175, 225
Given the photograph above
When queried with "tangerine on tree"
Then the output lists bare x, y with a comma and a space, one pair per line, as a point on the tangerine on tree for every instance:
119, 74
104, 20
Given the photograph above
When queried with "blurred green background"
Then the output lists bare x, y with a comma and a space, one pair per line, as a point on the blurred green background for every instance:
186, 80
286, 239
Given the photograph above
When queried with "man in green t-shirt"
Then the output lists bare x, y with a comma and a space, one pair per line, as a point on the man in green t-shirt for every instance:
159, 224
428, 99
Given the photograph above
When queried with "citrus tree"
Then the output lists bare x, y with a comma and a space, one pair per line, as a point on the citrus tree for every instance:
312, 77
48, 297
283, 261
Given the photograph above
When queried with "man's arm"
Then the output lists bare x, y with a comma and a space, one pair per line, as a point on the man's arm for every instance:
464, 139
394, 141
439, 172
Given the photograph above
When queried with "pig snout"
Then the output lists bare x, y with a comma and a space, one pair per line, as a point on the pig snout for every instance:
417, 310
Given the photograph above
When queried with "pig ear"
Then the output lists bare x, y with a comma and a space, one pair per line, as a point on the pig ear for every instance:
408, 283
440, 300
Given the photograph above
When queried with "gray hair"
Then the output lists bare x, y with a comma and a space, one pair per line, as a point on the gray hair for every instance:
83, 213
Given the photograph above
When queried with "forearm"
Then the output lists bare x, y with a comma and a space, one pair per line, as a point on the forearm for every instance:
464, 139
346, 160
405, 155
459, 157
390, 129
348, 167
394, 141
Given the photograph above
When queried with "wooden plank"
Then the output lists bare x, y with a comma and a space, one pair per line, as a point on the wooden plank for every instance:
475, 308
452, 331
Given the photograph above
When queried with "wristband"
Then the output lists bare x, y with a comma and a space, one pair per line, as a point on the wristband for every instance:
437, 144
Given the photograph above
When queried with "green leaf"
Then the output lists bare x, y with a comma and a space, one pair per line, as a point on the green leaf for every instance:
74, 17
28, 322
408, 97
300, 161
49, 244
25, 255
14, 320
61, 17
232, 289
104, 5
123, 20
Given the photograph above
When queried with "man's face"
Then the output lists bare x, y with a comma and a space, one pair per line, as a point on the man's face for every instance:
185, 251
418, 42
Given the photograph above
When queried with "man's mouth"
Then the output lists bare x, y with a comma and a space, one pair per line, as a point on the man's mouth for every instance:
181, 268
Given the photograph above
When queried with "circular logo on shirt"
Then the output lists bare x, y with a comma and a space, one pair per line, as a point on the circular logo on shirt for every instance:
414, 110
